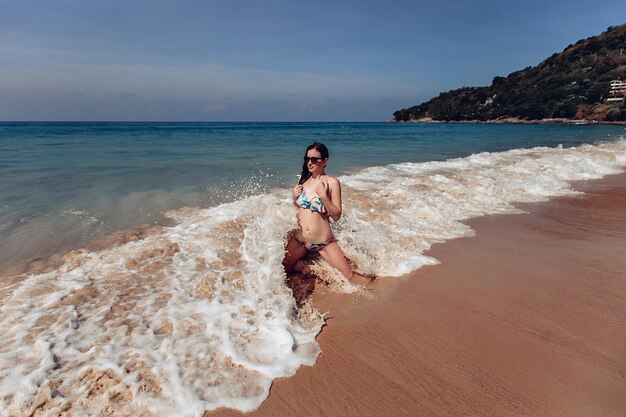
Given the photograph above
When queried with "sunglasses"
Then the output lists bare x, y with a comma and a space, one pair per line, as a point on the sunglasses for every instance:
313, 159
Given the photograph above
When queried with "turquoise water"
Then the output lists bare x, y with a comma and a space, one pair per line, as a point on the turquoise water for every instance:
65, 184
195, 314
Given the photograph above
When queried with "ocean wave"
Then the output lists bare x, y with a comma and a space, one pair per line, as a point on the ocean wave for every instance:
197, 316
396, 212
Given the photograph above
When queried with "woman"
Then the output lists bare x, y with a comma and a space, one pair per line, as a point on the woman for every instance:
318, 198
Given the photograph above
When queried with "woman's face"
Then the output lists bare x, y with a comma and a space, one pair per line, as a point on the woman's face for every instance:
318, 167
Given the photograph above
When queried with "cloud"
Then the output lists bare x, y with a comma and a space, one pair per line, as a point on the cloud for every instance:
46, 82
213, 107
205, 90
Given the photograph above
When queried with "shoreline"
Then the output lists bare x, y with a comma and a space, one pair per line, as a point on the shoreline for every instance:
524, 318
517, 121
21, 268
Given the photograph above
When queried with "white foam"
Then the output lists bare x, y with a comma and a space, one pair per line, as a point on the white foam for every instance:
414, 205
199, 317
85, 217
194, 319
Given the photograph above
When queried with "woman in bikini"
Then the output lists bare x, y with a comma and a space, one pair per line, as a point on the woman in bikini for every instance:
318, 198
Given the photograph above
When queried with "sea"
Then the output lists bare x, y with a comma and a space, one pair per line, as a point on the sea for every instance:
140, 263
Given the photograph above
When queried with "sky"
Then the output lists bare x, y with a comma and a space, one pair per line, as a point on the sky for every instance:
269, 60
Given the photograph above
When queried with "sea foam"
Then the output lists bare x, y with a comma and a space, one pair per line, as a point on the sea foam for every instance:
197, 316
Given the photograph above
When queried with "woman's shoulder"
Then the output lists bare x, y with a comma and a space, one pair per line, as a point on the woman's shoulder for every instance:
331, 180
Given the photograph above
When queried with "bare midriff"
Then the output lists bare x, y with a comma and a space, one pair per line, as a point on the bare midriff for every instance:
314, 226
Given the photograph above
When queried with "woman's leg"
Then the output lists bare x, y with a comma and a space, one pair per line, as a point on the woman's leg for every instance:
334, 256
293, 253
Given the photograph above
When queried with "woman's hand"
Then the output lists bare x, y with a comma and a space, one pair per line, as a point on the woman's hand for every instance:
321, 189
297, 190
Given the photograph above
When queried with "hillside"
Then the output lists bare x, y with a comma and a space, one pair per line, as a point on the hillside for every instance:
572, 84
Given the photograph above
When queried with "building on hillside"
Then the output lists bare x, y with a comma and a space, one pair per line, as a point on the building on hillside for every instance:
617, 92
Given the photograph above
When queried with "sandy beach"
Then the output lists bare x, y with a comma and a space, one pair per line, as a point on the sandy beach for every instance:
149, 160
525, 318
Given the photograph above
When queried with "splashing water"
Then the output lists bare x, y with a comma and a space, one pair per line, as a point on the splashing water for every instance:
197, 316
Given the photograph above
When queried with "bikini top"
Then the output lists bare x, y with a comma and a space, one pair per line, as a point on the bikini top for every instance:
311, 203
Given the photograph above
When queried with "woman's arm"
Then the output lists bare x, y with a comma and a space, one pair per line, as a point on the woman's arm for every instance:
330, 194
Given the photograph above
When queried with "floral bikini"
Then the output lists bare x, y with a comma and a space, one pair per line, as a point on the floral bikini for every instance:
314, 204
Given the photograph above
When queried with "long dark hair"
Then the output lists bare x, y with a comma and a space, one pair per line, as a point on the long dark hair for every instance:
323, 150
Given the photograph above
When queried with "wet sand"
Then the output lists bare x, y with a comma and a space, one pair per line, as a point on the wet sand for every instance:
528, 317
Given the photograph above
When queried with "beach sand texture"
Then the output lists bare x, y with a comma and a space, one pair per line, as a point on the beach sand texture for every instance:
522, 314
528, 317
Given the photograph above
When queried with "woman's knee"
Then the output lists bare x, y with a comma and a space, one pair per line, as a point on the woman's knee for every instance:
335, 257
346, 271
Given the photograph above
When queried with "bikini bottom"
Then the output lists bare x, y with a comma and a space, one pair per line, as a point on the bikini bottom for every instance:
316, 247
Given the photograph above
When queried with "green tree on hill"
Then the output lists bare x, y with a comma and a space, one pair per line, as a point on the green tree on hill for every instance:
570, 84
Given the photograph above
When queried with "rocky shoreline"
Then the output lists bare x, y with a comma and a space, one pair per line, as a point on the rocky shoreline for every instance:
515, 120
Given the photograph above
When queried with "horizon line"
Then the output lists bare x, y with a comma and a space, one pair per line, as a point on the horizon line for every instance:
194, 121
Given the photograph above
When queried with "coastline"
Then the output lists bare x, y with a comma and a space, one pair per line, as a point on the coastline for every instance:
203, 296
525, 318
516, 121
